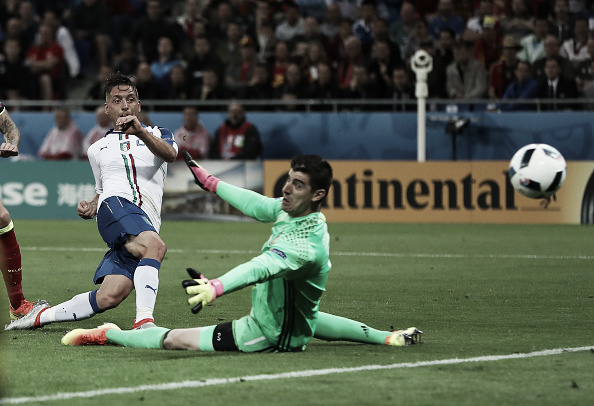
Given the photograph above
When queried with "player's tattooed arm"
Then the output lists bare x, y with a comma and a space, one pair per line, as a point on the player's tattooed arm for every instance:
11, 134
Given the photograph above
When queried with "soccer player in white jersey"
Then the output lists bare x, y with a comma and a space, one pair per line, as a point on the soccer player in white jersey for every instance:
130, 166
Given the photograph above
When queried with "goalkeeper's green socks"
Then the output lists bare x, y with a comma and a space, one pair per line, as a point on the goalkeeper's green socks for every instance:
336, 328
147, 338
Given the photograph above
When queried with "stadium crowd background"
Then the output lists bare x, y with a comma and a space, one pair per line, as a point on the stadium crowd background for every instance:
297, 50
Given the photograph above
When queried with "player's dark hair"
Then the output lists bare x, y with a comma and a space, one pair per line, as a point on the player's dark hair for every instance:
116, 80
318, 169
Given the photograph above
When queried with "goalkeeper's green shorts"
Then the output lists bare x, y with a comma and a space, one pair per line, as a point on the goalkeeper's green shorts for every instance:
249, 337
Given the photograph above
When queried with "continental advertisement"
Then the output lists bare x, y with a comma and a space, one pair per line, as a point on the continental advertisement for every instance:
443, 192
362, 191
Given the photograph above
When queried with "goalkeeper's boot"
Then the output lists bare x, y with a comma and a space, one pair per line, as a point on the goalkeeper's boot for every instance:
29, 321
144, 323
24, 308
91, 336
400, 338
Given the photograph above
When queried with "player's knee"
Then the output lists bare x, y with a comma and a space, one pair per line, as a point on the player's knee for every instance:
4, 217
178, 340
110, 300
157, 248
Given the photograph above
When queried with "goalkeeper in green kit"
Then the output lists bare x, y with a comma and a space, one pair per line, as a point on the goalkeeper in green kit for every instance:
289, 278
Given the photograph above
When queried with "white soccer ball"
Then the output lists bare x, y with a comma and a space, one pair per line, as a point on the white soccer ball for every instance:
537, 171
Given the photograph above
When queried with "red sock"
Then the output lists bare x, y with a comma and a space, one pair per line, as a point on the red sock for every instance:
10, 263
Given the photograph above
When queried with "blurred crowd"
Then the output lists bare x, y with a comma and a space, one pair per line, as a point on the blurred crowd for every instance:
499, 50
235, 138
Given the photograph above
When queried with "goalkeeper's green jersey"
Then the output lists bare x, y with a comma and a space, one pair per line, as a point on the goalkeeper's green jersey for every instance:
289, 276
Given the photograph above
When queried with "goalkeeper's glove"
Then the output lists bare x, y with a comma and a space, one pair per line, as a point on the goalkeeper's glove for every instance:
201, 176
204, 291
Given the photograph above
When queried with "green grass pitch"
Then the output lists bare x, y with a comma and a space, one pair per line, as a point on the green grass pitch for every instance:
475, 290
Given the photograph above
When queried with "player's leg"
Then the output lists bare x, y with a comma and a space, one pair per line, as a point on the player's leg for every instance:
127, 229
240, 335
197, 339
335, 328
114, 289
210, 338
150, 248
114, 273
10, 264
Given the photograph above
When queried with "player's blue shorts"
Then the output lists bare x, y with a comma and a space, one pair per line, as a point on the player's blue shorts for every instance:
117, 218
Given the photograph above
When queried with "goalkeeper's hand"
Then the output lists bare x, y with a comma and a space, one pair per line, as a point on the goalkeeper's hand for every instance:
201, 176
204, 291
204, 294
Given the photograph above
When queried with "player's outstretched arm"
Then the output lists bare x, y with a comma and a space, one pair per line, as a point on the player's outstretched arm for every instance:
259, 269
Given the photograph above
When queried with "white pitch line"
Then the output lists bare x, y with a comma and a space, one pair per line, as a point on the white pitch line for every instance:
285, 375
341, 254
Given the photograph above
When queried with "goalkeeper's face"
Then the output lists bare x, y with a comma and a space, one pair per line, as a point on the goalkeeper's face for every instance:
298, 196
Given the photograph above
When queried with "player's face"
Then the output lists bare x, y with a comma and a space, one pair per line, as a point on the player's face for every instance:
122, 102
298, 195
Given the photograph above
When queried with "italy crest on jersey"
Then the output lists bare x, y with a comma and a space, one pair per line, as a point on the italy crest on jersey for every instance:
125, 146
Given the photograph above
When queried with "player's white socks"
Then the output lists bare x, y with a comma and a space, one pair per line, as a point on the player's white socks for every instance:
146, 284
77, 308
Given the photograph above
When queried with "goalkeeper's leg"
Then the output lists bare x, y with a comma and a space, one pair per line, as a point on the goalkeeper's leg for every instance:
336, 328
148, 338
209, 338
242, 335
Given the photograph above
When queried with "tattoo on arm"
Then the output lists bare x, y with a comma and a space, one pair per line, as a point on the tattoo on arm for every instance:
9, 129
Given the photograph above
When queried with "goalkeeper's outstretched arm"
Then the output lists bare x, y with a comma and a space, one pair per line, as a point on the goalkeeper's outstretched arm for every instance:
250, 203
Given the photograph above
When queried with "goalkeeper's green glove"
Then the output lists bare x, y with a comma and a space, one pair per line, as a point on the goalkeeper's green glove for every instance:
205, 291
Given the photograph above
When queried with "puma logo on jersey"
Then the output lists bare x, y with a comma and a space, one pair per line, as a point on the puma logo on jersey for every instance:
15, 270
